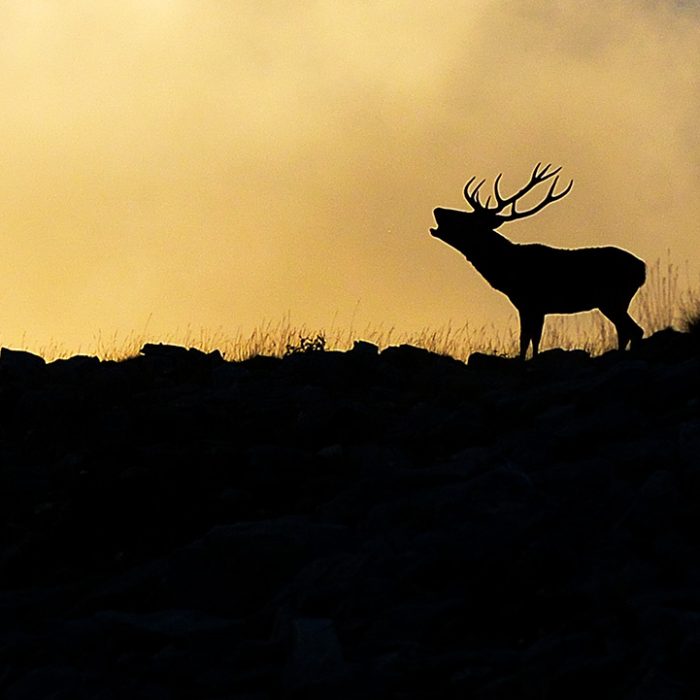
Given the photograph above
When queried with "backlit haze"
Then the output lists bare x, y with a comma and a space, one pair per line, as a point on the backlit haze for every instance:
171, 165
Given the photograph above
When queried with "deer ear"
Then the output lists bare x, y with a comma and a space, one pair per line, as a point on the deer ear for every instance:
498, 221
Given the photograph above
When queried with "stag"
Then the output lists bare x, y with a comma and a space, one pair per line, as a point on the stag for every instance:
540, 279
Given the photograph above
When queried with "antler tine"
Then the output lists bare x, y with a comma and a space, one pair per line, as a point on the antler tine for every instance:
475, 192
549, 198
543, 174
539, 174
473, 196
500, 202
466, 187
469, 182
564, 192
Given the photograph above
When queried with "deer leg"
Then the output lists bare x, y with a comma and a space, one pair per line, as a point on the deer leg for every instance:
636, 332
627, 330
537, 325
530, 331
617, 318
524, 334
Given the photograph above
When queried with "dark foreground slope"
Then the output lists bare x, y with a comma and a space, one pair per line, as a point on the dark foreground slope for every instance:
351, 525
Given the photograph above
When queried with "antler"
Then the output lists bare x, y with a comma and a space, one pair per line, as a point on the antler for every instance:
473, 196
539, 175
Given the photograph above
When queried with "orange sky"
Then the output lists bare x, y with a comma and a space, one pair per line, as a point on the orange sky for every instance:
171, 164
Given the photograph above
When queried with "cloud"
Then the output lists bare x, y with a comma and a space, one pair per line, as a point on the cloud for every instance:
212, 164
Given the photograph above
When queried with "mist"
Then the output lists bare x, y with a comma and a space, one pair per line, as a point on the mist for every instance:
175, 165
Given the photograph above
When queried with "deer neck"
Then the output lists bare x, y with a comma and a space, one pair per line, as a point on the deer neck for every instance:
492, 254
487, 248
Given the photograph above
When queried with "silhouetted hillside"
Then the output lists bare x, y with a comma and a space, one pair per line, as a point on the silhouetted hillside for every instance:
351, 525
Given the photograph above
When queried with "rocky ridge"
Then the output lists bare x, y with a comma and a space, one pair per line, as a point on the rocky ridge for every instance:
357, 524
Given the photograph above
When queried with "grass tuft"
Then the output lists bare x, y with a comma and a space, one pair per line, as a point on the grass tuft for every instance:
659, 304
690, 313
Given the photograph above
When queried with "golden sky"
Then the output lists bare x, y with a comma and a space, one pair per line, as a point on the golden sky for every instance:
205, 164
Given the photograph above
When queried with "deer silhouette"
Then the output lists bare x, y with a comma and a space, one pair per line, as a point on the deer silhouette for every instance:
540, 279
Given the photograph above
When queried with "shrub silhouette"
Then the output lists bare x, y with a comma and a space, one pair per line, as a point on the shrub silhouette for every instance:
306, 345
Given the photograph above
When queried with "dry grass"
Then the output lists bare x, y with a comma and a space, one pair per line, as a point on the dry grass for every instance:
662, 302
690, 312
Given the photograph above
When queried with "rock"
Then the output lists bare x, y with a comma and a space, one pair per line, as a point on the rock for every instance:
168, 359
407, 355
558, 360
362, 347
74, 369
54, 681
20, 365
351, 524
667, 345
481, 361
240, 567
653, 506
316, 665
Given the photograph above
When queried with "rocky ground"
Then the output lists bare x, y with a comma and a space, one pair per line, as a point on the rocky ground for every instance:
351, 525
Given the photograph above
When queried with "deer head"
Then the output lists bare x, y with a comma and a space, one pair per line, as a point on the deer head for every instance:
454, 224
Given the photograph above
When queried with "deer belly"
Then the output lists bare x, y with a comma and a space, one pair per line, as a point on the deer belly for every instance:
564, 296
